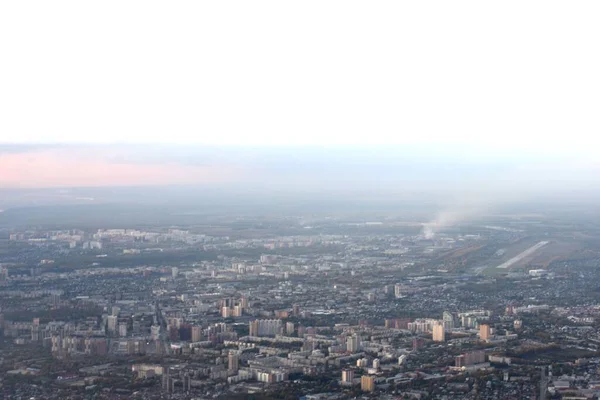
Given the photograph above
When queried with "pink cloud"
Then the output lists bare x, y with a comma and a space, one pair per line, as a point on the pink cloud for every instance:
61, 168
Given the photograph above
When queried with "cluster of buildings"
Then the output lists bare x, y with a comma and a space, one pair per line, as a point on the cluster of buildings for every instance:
377, 314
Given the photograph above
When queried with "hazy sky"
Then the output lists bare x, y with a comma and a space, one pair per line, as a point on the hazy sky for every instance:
476, 79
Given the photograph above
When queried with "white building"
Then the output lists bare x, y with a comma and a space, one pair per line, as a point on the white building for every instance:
111, 323
397, 290
352, 344
122, 329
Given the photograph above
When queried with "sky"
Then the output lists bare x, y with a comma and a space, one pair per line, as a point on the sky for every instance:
438, 83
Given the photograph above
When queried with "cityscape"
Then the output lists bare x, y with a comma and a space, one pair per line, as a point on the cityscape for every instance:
305, 306
299, 200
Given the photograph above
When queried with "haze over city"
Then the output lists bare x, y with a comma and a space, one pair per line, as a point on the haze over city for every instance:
320, 200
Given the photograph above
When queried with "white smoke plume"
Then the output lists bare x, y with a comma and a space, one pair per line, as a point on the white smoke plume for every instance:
449, 218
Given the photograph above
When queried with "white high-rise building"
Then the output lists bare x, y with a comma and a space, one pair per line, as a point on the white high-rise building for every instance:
347, 377
397, 290
111, 323
123, 329
226, 312
352, 344
289, 328
362, 362
155, 332
448, 320
376, 363
237, 311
